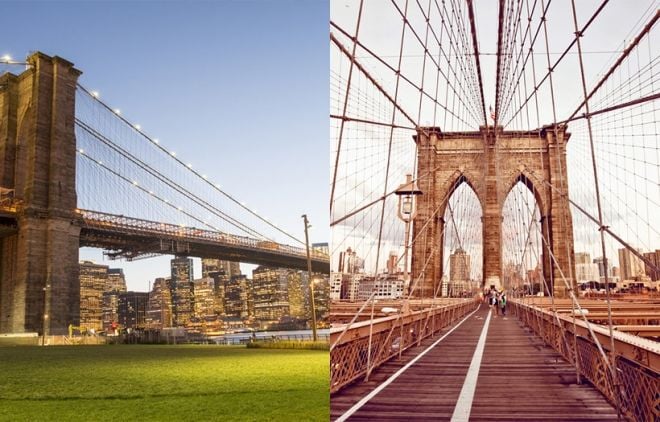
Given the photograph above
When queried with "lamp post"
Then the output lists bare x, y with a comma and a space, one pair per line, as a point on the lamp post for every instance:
45, 322
309, 276
407, 211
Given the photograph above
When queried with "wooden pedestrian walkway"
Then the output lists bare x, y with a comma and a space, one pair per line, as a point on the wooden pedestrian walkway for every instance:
517, 378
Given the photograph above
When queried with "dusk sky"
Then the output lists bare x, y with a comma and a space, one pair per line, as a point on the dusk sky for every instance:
239, 89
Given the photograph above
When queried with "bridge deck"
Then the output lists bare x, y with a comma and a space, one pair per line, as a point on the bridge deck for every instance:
518, 379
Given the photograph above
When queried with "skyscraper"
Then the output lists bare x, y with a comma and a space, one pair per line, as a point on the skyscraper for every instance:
349, 262
212, 265
602, 271
93, 282
631, 266
653, 258
582, 258
459, 264
236, 297
206, 302
181, 286
321, 297
296, 292
270, 293
110, 309
116, 280
133, 309
159, 308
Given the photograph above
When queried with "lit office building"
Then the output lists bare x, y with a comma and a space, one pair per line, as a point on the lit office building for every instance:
93, 281
237, 297
206, 302
116, 280
296, 293
159, 308
181, 286
270, 294
133, 309
110, 310
212, 265
321, 286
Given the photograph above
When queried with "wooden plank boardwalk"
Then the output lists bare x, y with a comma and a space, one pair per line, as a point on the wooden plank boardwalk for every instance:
519, 379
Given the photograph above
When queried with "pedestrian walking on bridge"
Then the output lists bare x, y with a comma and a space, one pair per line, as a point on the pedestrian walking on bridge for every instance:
502, 302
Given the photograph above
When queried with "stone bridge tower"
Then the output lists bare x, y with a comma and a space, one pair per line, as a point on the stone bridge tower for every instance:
39, 232
491, 162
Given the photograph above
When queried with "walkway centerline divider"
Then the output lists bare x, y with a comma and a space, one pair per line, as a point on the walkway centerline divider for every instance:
464, 403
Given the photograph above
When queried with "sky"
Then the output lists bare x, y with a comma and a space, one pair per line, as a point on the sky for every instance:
237, 88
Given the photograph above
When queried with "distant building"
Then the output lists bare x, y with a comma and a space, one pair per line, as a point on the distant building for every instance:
587, 272
270, 294
159, 308
350, 286
392, 263
237, 292
616, 272
297, 287
321, 297
133, 309
653, 258
110, 310
459, 272
459, 264
582, 258
350, 263
335, 285
632, 268
116, 280
93, 282
212, 265
512, 276
383, 287
206, 303
602, 270
181, 286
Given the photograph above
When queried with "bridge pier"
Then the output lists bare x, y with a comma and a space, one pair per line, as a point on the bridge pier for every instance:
39, 286
491, 162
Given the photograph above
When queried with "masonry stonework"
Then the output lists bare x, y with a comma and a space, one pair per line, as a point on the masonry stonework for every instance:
39, 286
492, 162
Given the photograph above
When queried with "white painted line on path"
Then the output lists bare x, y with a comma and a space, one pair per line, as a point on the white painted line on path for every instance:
464, 403
394, 376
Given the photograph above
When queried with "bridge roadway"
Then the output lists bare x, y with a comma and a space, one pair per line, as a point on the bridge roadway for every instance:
518, 378
132, 238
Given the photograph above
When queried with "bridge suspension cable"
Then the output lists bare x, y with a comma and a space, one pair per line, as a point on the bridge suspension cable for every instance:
113, 142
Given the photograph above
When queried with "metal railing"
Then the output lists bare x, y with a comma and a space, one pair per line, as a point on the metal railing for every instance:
353, 356
637, 359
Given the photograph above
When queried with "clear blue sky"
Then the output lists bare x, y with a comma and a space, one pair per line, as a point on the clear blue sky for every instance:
240, 88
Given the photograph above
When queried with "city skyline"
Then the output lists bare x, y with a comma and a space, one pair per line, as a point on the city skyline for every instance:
221, 300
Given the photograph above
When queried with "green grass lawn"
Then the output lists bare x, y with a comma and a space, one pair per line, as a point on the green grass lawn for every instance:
181, 382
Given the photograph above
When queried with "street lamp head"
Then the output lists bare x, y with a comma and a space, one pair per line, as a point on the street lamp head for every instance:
406, 193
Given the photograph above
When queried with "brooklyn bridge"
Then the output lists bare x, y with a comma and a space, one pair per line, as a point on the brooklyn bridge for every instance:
505, 150
74, 172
